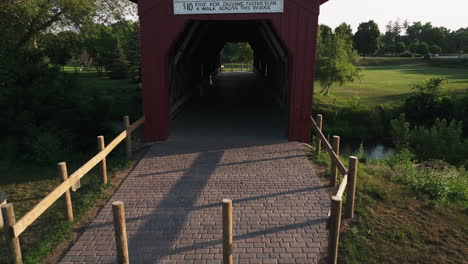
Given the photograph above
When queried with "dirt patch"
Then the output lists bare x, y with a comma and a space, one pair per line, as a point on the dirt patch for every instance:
79, 227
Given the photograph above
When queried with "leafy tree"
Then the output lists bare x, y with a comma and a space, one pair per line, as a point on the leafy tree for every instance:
237, 52
413, 47
400, 47
423, 48
336, 60
367, 38
434, 49
99, 41
23, 20
118, 68
325, 32
345, 31
59, 47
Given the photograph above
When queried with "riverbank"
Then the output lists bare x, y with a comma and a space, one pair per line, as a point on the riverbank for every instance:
400, 222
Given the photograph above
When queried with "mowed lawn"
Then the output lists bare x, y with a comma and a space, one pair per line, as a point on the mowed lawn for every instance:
389, 84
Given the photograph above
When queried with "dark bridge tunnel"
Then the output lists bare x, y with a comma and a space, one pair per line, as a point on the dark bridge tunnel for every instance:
233, 101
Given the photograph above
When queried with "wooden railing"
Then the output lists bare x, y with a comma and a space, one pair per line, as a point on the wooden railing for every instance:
348, 183
230, 67
14, 229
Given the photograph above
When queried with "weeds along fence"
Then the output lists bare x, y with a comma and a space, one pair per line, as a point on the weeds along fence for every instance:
348, 184
13, 228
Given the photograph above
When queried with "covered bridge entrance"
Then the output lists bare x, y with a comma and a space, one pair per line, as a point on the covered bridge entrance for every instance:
181, 45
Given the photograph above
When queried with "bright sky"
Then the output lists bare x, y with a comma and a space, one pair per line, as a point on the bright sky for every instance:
452, 14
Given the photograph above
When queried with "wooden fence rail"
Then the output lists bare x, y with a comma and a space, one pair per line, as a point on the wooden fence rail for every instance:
16, 229
349, 176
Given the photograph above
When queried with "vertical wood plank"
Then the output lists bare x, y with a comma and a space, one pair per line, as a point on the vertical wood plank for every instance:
120, 229
128, 139
63, 172
13, 244
333, 168
103, 164
351, 188
318, 142
334, 232
227, 231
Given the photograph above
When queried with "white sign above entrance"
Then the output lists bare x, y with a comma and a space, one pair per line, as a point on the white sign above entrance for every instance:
184, 7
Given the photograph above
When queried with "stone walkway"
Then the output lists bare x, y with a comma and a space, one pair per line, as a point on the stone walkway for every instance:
173, 197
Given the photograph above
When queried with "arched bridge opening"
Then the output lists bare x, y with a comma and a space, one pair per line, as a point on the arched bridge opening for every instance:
238, 102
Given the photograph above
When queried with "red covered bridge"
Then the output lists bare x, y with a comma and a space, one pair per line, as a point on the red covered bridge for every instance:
181, 44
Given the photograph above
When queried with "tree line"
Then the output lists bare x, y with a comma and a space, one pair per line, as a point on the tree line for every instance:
405, 39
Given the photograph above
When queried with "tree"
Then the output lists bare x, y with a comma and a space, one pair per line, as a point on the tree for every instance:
134, 54
23, 20
118, 68
336, 61
400, 47
423, 48
413, 47
237, 52
344, 30
59, 48
367, 38
434, 49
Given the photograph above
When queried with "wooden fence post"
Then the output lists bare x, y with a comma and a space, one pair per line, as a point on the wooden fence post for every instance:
351, 188
333, 169
103, 164
3, 201
334, 232
13, 244
227, 231
62, 167
128, 139
318, 143
120, 229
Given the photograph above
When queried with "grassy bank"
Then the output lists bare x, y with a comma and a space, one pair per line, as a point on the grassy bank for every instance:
397, 222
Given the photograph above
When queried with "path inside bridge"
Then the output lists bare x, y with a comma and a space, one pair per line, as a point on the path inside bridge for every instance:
217, 150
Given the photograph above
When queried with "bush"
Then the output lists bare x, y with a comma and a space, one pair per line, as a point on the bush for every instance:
406, 54
448, 184
46, 109
442, 141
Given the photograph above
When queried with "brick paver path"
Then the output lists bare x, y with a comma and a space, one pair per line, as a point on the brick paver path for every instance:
173, 198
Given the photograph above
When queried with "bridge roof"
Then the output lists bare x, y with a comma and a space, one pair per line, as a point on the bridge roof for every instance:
136, 1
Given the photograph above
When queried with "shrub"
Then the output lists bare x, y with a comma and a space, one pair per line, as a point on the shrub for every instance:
448, 184
443, 141
46, 109
406, 54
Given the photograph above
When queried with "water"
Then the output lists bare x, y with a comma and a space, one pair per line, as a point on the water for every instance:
372, 151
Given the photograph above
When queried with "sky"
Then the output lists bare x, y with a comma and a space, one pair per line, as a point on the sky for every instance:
452, 14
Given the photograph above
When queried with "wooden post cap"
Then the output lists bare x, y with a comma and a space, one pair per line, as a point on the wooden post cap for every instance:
117, 203
336, 198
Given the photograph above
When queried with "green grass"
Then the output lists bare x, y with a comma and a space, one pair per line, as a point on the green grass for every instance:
124, 95
389, 84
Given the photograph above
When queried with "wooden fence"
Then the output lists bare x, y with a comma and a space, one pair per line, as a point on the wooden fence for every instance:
13, 228
348, 183
230, 67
